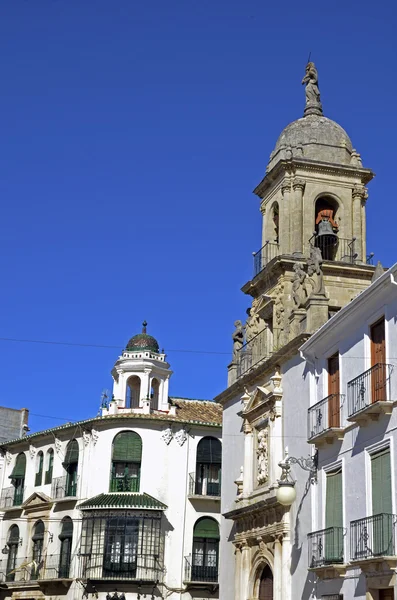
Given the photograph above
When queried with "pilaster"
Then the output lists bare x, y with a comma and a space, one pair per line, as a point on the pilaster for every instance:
248, 458
285, 218
296, 217
359, 195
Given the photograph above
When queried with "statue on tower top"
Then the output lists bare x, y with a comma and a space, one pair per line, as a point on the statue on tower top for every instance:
313, 104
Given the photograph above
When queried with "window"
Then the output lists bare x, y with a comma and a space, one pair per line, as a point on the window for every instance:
38, 542
50, 463
126, 462
121, 547
65, 555
133, 393
378, 362
334, 517
208, 467
18, 478
39, 472
12, 543
205, 550
382, 506
333, 392
71, 464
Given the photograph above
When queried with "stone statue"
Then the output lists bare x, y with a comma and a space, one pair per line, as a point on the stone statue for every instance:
263, 458
315, 273
238, 339
253, 325
313, 103
298, 289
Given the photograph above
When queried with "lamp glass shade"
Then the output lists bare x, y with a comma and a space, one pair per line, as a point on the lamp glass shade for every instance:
286, 493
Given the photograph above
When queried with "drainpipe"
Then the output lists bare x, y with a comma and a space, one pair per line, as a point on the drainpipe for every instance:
184, 512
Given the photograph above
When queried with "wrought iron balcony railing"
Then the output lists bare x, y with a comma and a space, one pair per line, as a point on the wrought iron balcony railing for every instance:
11, 496
369, 387
335, 248
124, 484
261, 258
206, 486
54, 566
121, 565
253, 352
64, 487
373, 537
201, 573
326, 547
326, 415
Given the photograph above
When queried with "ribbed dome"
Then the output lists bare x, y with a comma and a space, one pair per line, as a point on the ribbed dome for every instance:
143, 342
314, 137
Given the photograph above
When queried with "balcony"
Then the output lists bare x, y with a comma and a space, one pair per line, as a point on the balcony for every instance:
326, 555
205, 488
64, 488
368, 395
325, 420
261, 258
23, 570
335, 249
121, 566
201, 575
11, 497
373, 540
125, 483
252, 353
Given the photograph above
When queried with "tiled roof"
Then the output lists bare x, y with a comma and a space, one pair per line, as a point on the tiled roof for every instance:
123, 500
195, 412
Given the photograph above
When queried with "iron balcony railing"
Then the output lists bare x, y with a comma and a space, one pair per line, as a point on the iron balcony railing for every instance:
253, 352
11, 496
373, 537
54, 566
206, 486
64, 487
335, 248
325, 415
261, 258
124, 484
201, 573
369, 387
326, 547
118, 565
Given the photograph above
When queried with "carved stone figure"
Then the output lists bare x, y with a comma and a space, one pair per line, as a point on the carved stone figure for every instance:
86, 437
238, 339
167, 435
253, 325
95, 436
314, 273
313, 103
298, 288
32, 451
263, 458
181, 437
279, 316
58, 445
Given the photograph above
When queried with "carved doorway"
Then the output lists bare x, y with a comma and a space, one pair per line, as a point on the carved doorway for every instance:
266, 585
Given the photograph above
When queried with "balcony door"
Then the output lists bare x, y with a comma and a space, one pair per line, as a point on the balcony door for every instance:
121, 548
333, 392
382, 505
378, 362
205, 550
333, 538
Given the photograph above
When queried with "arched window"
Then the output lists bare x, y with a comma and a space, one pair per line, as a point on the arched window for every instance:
266, 584
18, 478
126, 462
275, 221
208, 467
49, 466
38, 543
154, 393
326, 227
12, 543
39, 471
65, 555
133, 393
205, 550
71, 465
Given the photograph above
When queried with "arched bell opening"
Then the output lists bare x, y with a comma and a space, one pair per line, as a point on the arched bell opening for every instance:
275, 216
133, 392
154, 392
326, 227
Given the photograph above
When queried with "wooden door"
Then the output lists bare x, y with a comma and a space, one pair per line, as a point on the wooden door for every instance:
333, 392
266, 585
378, 360
386, 594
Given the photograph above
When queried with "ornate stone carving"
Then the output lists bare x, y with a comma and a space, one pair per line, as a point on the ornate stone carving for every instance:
285, 187
360, 191
8, 457
355, 159
181, 437
298, 288
263, 457
298, 184
32, 451
279, 316
95, 436
313, 103
58, 445
238, 339
315, 276
86, 437
167, 435
240, 482
254, 324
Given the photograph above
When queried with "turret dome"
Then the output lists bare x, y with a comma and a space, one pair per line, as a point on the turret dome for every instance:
143, 342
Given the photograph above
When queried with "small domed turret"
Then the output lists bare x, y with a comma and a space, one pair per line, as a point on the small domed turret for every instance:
143, 342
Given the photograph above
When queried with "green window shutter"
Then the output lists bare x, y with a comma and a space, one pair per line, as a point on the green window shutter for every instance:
206, 528
39, 474
381, 482
72, 453
19, 469
127, 447
38, 531
334, 500
67, 529
209, 451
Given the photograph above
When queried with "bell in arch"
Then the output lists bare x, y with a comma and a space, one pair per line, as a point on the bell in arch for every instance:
326, 237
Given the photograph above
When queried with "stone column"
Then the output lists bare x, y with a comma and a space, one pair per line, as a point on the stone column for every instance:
248, 458
296, 218
284, 218
277, 571
245, 571
286, 561
359, 196
237, 572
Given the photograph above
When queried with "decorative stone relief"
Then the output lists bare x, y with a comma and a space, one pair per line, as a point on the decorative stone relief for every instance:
58, 446
86, 438
263, 456
95, 436
32, 451
8, 457
298, 287
181, 437
167, 435
254, 323
315, 278
238, 339
279, 316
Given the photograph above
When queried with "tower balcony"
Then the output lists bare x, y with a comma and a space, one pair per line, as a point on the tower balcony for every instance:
261, 258
335, 248
253, 352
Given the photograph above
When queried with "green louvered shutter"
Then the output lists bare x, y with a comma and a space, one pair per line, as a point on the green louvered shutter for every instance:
72, 453
127, 447
39, 474
67, 529
206, 528
209, 451
382, 526
19, 469
334, 517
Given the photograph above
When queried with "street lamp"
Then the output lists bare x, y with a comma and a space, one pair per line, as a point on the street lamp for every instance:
286, 492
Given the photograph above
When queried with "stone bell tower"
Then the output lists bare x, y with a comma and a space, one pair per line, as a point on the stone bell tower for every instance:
313, 257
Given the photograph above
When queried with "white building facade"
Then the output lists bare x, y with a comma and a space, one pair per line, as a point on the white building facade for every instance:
124, 504
352, 362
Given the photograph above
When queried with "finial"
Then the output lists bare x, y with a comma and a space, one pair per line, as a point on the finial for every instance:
144, 325
313, 103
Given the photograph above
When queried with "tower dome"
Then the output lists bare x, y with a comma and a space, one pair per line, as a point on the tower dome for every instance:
143, 342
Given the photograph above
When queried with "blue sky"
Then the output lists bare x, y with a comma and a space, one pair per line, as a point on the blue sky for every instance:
132, 136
